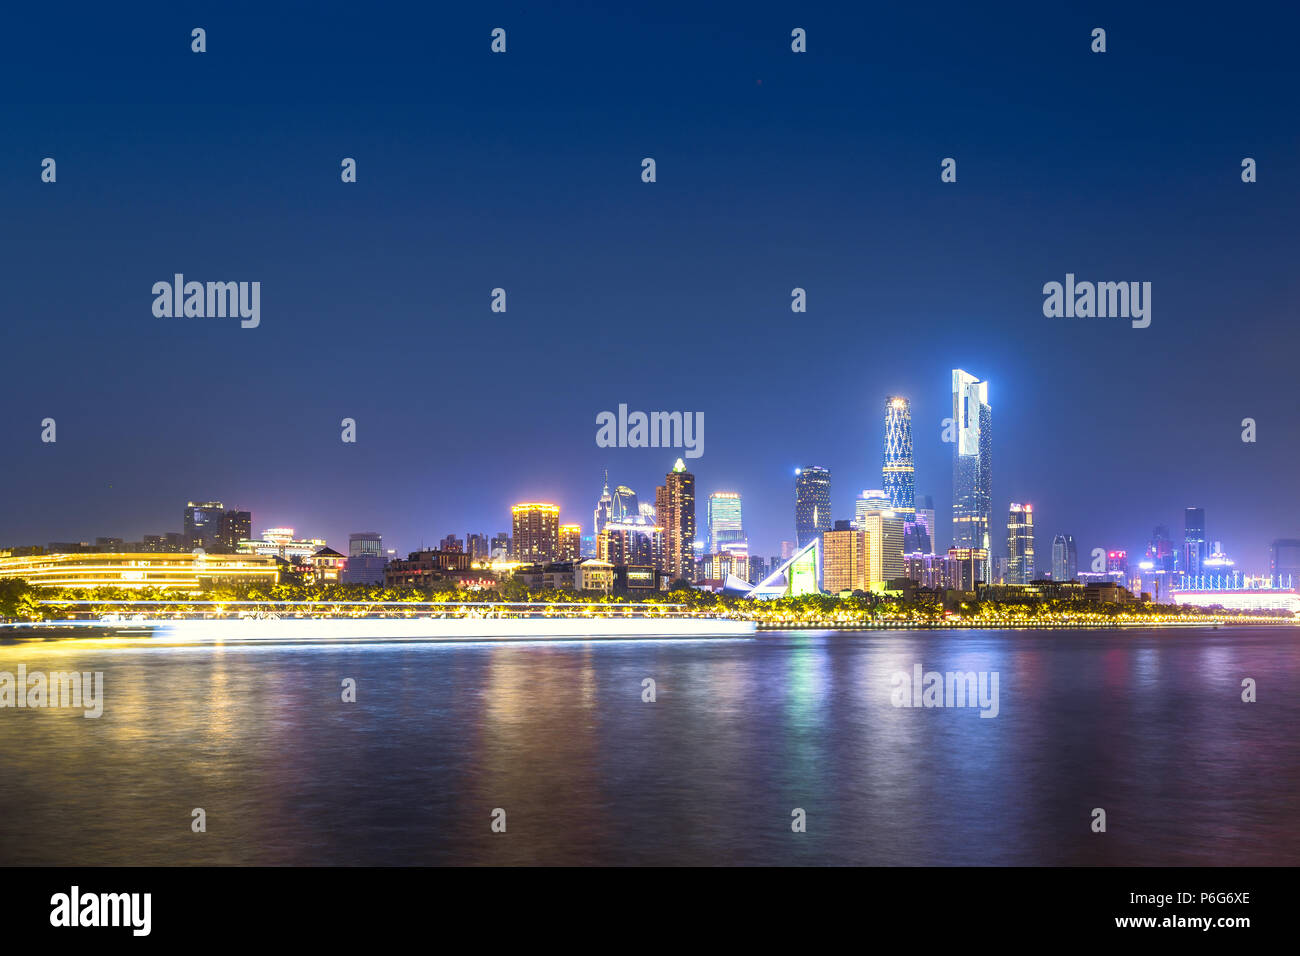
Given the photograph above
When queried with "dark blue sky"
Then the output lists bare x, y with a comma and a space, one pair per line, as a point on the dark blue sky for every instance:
775, 170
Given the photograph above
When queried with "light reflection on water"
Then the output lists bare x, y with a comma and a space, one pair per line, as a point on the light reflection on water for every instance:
1146, 724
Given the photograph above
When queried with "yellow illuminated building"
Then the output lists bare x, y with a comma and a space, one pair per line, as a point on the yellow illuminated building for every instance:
570, 542
536, 532
169, 572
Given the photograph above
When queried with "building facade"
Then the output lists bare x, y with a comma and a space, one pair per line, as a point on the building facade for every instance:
898, 470
972, 477
1020, 544
535, 536
675, 512
812, 503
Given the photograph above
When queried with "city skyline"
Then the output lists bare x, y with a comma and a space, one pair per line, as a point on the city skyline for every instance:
896, 433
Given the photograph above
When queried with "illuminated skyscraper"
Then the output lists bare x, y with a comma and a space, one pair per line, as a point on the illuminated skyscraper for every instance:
871, 501
1195, 549
898, 469
1065, 558
844, 561
812, 503
604, 507
675, 512
884, 547
624, 504
570, 542
972, 474
922, 534
1020, 544
725, 526
536, 532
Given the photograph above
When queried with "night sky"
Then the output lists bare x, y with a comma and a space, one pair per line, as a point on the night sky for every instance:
775, 170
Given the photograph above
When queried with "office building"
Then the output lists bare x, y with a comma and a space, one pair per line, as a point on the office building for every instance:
844, 561
812, 504
1195, 545
972, 476
1284, 562
1020, 544
1065, 558
724, 517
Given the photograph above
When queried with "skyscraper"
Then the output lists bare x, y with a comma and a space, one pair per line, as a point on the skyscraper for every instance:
604, 508
725, 525
624, 505
570, 542
898, 468
536, 532
675, 511
871, 501
972, 474
232, 528
884, 547
1020, 544
1194, 544
1065, 558
365, 542
203, 524
812, 503
1284, 562
923, 534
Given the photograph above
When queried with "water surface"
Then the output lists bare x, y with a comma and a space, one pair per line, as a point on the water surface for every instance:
1148, 725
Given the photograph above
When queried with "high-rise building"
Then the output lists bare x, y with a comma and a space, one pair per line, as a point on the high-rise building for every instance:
725, 525
964, 568
922, 538
570, 542
452, 543
477, 547
232, 528
871, 501
812, 503
675, 510
366, 560
1065, 558
501, 549
844, 561
365, 542
604, 508
972, 473
202, 524
1195, 546
1117, 565
536, 531
1284, 562
627, 543
623, 505
1020, 544
898, 468
884, 547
